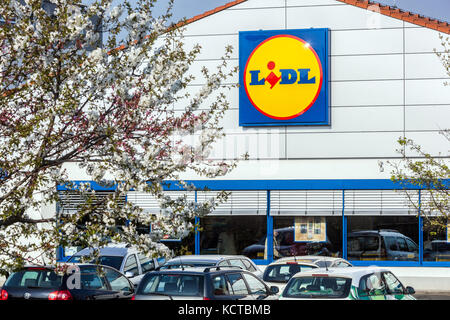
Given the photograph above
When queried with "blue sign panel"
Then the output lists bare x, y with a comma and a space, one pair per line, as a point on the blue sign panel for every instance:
283, 77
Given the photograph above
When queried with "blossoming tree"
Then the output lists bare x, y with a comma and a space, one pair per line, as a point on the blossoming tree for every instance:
96, 85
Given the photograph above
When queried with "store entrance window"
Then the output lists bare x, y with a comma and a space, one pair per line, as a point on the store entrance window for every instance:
233, 235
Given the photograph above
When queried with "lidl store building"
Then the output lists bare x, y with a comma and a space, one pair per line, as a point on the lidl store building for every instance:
326, 88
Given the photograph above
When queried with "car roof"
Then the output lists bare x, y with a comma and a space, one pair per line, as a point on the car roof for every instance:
289, 261
52, 267
355, 272
36, 267
205, 258
308, 258
197, 270
440, 241
289, 229
380, 232
107, 251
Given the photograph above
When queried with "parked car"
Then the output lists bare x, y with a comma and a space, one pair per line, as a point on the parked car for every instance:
94, 282
357, 283
381, 245
213, 260
204, 283
437, 250
286, 246
278, 273
320, 261
127, 260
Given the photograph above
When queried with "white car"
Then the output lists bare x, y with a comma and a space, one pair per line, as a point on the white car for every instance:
278, 273
127, 260
357, 283
320, 261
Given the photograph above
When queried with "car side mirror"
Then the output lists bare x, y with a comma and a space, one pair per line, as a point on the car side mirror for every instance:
274, 289
130, 291
410, 290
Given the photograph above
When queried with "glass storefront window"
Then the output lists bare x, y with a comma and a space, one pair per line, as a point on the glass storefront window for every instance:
436, 244
233, 235
307, 236
383, 238
184, 246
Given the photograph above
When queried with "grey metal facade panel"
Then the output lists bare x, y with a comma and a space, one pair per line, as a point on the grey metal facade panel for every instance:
238, 203
69, 202
380, 202
314, 203
151, 204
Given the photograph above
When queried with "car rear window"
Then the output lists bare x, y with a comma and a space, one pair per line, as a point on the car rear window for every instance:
92, 280
318, 287
323, 263
34, 278
283, 272
172, 284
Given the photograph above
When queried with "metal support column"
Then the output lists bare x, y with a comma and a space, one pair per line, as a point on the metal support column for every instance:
344, 228
269, 231
197, 232
420, 230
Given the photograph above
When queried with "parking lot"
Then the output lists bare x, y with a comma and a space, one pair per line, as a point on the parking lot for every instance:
432, 295
219, 277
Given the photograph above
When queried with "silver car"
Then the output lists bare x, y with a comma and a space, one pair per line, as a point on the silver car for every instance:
239, 261
127, 260
204, 283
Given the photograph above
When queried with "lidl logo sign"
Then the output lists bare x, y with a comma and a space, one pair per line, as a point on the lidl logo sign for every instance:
284, 77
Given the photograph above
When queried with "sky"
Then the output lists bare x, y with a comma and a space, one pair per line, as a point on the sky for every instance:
437, 9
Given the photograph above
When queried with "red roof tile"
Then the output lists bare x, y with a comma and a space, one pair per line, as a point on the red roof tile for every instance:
401, 15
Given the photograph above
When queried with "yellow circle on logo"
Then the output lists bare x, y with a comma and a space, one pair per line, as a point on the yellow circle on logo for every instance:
283, 77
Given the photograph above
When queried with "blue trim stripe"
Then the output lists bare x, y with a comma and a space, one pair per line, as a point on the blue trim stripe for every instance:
385, 263
362, 184
311, 184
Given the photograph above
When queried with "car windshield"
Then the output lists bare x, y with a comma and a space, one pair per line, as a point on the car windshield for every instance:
318, 287
34, 278
111, 261
283, 272
172, 284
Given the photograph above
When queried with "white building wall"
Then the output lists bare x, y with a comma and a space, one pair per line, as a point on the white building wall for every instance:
385, 82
